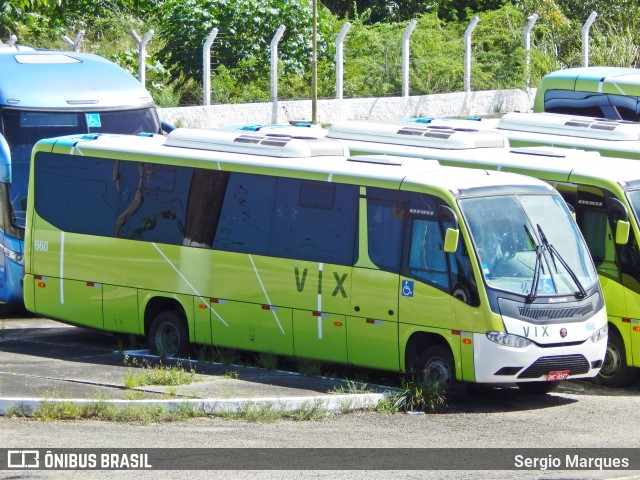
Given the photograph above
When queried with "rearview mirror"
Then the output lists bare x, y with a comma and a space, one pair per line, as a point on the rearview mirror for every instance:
451, 240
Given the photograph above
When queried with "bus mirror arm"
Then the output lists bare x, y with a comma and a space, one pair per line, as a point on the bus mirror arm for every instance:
5, 161
167, 127
617, 208
449, 214
623, 228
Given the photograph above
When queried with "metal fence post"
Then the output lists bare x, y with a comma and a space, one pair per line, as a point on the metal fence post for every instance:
405, 56
74, 46
12, 41
142, 53
585, 38
206, 66
340, 59
532, 19
274, 73
467, 53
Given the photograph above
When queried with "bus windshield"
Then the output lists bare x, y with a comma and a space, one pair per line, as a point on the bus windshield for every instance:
23, 129
527, 240
634, 200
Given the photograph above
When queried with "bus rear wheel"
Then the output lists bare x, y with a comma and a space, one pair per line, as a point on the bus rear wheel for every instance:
436, 366
615, 372
168, 335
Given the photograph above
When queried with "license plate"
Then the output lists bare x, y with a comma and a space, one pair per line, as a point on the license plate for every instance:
556, 376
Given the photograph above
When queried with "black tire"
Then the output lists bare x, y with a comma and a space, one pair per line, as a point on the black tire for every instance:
538, 388
436, 365
168, 335
615, 372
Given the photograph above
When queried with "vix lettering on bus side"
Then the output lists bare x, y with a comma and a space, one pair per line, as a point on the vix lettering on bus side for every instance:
338, 278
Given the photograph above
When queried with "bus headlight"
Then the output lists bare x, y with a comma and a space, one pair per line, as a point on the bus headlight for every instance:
600, 334
15, 256
508, 340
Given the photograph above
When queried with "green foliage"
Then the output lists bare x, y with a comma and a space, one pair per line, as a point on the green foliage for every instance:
437, 55
246, 29
413, 397
146, 373
373, 60
240, 65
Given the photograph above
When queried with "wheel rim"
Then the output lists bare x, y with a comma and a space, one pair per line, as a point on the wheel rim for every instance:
437, 371
167, 339
612, 362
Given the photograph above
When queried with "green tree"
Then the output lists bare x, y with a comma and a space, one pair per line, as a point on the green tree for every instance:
246, 28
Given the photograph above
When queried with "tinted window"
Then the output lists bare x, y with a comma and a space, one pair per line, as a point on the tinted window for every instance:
592, 104
314, 221
427, 260
385, 225
204, 208
245, 220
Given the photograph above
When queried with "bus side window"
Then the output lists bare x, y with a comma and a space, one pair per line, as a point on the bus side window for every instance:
599, 237
385, 224
427, 260
463, 283
593, 221
628, 255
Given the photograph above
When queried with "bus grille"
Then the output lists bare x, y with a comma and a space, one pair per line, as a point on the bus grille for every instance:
576, 364
555, 313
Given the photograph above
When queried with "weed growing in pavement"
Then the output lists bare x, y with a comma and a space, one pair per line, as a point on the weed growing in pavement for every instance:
309, 367
352, 387
315, 410
413, 397
231, 375
54, 410
268, 361
145, 373
269, 412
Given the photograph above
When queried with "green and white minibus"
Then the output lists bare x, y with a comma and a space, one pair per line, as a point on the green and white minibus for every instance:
603, 192
604, 92
288, 246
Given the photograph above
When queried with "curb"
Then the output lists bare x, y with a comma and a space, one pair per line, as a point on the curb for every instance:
332, 403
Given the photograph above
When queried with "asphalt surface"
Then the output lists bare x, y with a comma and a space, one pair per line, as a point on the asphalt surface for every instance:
45, 360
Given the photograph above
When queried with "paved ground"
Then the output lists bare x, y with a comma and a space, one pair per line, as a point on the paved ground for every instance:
44, 359
40, 358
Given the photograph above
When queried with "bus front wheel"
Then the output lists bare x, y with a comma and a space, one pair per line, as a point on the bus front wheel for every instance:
615, 372
168, 335
436, 366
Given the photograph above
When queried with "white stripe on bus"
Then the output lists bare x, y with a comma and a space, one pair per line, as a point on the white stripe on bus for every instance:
265, 294
189, 284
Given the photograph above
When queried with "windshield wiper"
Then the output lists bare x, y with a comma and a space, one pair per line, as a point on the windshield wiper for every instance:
581, 293
533, 292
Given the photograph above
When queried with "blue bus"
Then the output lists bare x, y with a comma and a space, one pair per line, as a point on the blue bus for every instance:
43, 94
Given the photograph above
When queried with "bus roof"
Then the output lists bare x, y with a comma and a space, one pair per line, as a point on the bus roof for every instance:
75, 81
573, 162
572, 125
191, 147
550, 163
413, 134
594, 79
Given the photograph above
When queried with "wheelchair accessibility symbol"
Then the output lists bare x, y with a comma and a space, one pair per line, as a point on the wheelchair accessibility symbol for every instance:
547, 286
407, 288
93, 120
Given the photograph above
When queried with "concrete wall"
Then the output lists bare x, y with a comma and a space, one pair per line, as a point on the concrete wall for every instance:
458, 104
